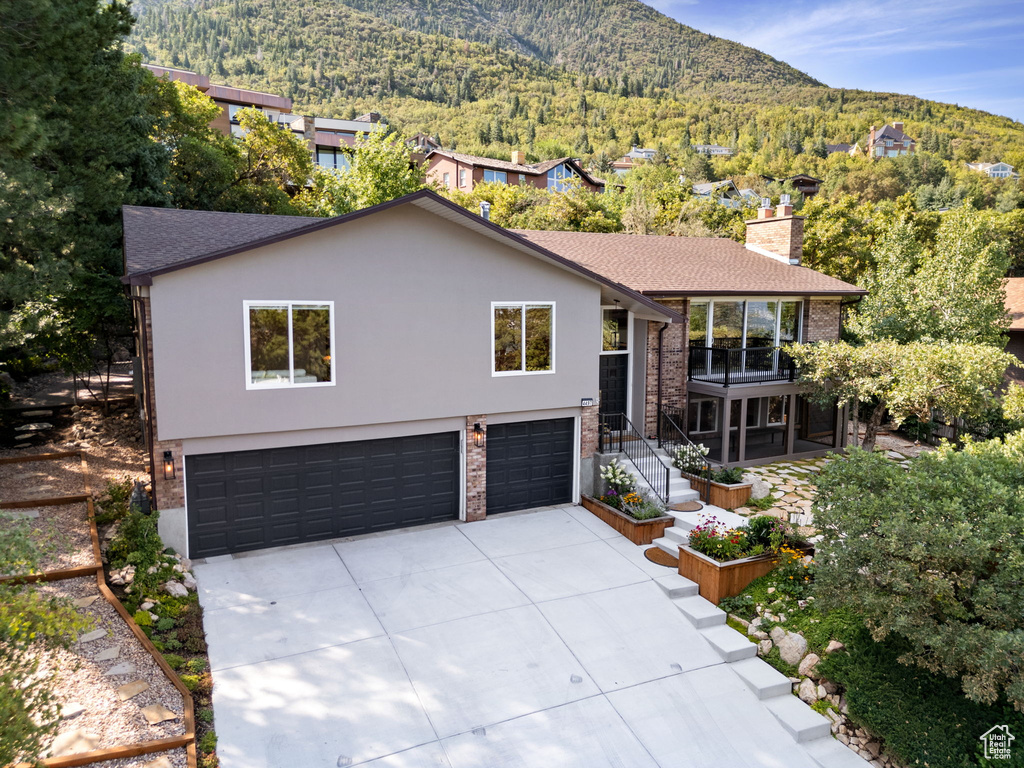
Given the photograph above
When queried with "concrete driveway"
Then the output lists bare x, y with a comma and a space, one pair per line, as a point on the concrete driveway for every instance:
535, 640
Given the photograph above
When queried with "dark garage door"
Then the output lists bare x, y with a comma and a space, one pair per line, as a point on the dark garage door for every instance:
529, 464
253, 499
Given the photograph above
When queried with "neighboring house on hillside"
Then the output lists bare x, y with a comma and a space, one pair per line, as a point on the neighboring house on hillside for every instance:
726, 193
454, 170
711, 149
806, 185
834, 148
633, 158
891, 141
723, 377
326, 137
409, 363
1015, 308
995, 170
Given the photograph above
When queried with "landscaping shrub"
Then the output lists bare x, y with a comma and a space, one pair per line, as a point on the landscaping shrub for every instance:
690, 458
767, 531
924, 718
728, 476
722, 545
933, 554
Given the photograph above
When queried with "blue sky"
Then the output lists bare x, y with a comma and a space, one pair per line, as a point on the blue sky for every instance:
966, 52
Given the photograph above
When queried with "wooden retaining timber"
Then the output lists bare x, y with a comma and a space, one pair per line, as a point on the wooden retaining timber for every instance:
187, 739
39, 457
637, 531
53, 501
718, 581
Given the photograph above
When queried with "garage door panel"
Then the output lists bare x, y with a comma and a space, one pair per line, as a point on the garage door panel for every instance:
529, 464
253, 499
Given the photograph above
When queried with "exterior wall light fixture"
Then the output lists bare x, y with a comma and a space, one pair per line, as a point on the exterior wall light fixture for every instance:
478, 435
169, 473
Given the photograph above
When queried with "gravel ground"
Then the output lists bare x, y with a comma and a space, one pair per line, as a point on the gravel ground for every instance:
63, 532
177, 757
82, 678
41, 479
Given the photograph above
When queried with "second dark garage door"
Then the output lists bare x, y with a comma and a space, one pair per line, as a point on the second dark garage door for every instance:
529, 464
253, 499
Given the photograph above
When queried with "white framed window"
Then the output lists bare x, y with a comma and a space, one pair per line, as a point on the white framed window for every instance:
447, 179
879, 151
462, 177
743, 323
495, 177
289, 344
560, 178
888, 142
522, 337
702, 415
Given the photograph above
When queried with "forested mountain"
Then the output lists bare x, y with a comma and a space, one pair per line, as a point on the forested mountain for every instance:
586, 77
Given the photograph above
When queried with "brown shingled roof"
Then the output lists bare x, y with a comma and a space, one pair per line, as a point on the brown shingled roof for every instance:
1015, 302
159, 237
534, 169
657, 265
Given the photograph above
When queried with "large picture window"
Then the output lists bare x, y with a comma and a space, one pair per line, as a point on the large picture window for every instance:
496, 177
730, 324
289, 343
524, 337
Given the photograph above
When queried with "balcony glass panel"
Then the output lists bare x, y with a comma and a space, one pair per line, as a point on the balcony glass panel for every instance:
727, 325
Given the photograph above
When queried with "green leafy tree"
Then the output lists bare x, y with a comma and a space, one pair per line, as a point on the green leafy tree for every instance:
933, 554
381, 170
960, 380
950, 293
838, 235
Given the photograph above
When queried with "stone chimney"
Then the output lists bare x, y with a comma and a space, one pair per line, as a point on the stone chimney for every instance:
780, 237
518, 157
898, 126
871, 137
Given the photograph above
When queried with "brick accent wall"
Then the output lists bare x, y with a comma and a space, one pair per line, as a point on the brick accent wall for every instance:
588, 431
674, 369
167, 494
476, 471
822, 320
783, 235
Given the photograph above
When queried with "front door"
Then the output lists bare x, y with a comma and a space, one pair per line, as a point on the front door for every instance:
614, 374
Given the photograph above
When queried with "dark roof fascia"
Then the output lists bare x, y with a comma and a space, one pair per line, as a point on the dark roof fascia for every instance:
748, 292
146, 278
583, 173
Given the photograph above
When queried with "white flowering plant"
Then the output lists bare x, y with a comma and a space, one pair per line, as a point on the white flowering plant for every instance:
690, 458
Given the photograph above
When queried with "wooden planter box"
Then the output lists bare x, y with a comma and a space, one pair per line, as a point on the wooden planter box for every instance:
717, 580
725, 496
637, 531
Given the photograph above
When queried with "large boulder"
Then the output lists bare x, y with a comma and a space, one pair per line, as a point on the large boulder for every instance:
758, 487
808, 664
808, 691
792, 648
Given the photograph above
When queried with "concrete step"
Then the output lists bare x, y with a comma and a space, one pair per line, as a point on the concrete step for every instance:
802, 722
667, 545
701, 613
678, 497
678, 483
762, 678
829, 753
730, 644
689, 520
675, 585
678, 535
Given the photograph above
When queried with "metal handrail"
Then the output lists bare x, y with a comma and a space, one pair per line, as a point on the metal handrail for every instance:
671, 437
618, 435
749, 365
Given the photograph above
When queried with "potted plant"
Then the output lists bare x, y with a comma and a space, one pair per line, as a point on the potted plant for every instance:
723, 561
726, 487
631, 512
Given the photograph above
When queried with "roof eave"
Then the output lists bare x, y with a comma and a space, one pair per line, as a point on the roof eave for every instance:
749, 292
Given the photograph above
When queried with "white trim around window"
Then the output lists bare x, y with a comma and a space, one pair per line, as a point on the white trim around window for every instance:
290, 305
522, 306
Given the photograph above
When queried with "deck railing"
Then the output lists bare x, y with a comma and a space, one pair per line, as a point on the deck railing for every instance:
749, 365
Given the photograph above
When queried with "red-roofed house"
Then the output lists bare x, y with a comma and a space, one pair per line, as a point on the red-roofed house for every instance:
454, 170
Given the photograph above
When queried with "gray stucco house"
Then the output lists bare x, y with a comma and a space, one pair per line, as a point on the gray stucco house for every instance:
409, 363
